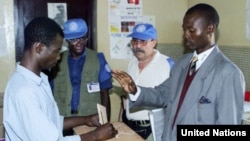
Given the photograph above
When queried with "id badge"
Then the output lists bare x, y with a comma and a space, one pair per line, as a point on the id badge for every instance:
93, 87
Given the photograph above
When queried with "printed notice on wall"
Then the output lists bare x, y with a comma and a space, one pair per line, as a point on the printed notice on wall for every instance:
123, 16
125, 7
119, 30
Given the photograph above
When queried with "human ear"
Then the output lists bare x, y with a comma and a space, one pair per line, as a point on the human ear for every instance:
211, 28
39, 47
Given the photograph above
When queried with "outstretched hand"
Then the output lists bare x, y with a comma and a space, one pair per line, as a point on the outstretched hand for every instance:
125, 80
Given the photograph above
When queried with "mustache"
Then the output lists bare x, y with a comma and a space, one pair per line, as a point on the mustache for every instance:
138, 50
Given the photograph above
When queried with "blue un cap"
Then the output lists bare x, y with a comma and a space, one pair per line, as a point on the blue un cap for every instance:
144, 31
75, 28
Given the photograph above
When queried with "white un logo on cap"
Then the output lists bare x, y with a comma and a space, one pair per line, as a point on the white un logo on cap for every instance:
141, 28
73, 26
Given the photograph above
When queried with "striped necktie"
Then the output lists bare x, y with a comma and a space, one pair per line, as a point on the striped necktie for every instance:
193, 65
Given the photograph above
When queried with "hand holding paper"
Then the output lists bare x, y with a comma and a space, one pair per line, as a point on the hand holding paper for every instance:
102, 114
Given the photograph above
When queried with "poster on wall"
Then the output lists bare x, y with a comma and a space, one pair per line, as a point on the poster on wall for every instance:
122, 10
125, 7
125, 24
120, 28
123, 16
57, 12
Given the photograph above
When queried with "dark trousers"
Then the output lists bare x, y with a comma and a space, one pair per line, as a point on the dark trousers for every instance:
143, 131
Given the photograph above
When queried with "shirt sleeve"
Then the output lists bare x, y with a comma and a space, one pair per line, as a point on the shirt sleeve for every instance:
71, 138
135, 96
105, 77
171, 62
34, 121
68, 138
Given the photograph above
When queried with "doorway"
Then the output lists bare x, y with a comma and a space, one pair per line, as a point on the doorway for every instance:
26, 10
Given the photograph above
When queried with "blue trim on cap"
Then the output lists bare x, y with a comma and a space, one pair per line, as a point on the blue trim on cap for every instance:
141, 36
144, 31
74, 35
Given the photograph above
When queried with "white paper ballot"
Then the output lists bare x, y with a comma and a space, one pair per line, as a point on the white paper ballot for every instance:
156, 117
102, 113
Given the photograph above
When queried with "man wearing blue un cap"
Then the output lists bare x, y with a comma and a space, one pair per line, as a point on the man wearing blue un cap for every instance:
148, 68
144, 31
83, 78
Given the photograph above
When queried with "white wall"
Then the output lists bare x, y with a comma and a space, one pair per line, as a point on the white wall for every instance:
232, 25
7, 49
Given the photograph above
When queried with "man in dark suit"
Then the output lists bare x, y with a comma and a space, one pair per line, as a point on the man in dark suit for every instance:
211, 94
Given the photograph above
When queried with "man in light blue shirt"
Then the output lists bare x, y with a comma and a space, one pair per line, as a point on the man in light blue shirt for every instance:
30, 112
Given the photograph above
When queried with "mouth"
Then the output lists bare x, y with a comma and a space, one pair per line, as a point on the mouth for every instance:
187, 43
78, 48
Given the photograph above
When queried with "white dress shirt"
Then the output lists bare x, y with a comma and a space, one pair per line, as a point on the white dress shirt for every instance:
153, 74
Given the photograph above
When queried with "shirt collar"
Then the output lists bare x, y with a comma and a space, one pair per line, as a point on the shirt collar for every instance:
32, 76
82, 56
203, 56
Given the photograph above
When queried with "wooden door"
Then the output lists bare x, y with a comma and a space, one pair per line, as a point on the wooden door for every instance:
26, 10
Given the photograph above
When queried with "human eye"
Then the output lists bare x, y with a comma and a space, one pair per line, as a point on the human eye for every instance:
133, 41
144, 42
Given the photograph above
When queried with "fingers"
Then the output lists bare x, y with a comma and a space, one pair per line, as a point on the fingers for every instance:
124, 80
93, 120
114, 131
109, 130
118, 72
97, 123
120, 75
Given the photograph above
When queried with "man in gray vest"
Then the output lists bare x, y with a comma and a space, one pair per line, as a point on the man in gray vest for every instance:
82, 78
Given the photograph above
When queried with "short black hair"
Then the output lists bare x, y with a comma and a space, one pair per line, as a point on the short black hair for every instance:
41, 29
208, 12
